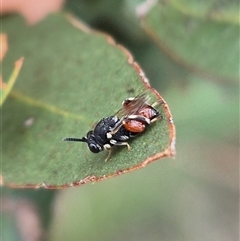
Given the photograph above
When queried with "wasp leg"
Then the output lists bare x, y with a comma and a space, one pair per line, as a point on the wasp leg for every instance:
115, 129
107, 147
118, 143
128, 100
138, 118
156, 118
108, 156
159, 102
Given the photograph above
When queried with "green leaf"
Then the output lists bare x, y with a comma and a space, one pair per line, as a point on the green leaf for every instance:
202, 37
72, 77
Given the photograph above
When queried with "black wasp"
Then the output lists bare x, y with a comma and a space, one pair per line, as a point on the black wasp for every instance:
132, 119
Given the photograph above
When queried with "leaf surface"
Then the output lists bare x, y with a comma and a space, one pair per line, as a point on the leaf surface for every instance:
72, 77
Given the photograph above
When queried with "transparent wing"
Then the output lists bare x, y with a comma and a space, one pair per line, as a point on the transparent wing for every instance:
132, 106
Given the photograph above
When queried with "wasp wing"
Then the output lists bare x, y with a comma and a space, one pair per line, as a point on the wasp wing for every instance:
132, 106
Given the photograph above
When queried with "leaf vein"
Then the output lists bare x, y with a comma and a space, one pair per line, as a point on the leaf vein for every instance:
33, 102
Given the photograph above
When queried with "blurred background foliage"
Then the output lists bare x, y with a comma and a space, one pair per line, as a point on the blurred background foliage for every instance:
189, 50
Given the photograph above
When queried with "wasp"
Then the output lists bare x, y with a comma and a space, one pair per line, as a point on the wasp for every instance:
132, 119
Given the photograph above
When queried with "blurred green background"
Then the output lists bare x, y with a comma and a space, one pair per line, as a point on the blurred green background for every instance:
189, 50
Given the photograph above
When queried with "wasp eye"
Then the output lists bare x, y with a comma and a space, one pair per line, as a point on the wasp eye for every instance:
94, 148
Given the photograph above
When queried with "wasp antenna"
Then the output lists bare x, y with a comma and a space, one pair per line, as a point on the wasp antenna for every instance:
75, 139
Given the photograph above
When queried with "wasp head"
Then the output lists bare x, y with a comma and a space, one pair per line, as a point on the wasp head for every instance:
92, 142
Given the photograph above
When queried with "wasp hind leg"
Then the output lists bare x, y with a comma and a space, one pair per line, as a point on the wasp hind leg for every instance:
139, 118
158, 102
156, 118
